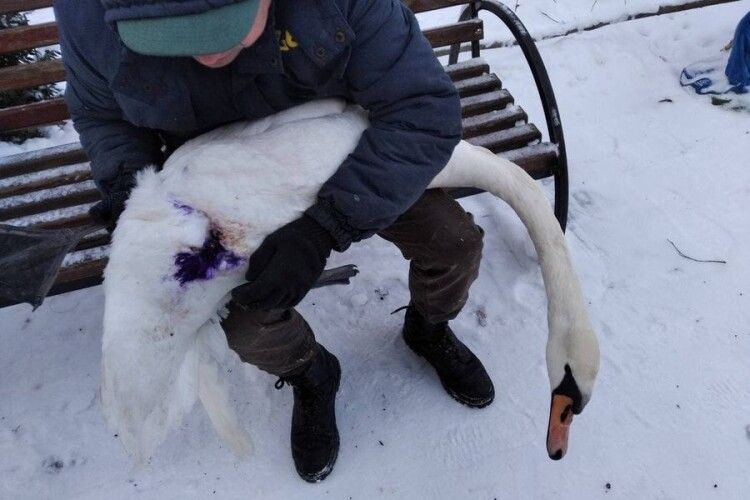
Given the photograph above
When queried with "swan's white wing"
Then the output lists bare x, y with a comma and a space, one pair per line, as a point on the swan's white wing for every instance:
235, 185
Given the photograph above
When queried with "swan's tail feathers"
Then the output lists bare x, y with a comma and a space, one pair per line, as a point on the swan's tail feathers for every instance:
141, 410
213, 389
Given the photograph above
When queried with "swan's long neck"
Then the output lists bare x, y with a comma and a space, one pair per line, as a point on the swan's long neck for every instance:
472, 166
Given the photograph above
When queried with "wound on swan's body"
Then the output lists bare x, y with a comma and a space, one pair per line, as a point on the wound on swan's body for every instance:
204, 263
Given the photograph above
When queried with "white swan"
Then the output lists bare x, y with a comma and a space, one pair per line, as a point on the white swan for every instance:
217, 197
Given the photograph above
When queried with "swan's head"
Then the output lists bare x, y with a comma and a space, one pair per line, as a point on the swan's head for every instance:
572, 364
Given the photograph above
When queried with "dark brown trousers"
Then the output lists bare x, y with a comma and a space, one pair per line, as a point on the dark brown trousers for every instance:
444, 246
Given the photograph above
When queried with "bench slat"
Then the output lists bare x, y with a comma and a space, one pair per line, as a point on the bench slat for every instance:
506, 140
478, 85
80, 276
467, 69
493, 121
41, 159
539, 160
33, 115
28, 37
98, 239
47, 200
464, 31
74, 216
66, 222
23, 76
45, 179
484, 103
92, 254
8, 6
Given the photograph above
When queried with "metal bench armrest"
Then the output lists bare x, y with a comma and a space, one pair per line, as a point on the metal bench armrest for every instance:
544, 87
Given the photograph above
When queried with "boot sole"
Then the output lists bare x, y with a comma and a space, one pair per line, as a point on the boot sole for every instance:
469, 402
464, 400
326, 471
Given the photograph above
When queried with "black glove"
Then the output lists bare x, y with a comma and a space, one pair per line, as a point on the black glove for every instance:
112, 205
285, 266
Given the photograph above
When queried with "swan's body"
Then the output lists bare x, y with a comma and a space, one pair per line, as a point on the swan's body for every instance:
236, 185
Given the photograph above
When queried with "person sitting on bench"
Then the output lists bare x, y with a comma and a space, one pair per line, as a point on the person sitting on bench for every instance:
144, 76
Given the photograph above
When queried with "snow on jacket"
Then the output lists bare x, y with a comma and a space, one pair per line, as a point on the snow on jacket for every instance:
126, 106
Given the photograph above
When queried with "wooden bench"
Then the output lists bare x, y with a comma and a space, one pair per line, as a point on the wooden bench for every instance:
52, 188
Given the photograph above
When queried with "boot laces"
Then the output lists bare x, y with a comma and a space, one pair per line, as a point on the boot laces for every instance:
450, 347
312, 408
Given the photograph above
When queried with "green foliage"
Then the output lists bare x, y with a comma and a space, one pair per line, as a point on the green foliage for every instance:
24, 96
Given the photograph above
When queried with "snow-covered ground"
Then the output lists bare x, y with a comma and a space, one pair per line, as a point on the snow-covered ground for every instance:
670, 416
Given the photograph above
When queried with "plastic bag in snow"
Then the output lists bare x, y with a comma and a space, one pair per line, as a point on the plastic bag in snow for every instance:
725, 78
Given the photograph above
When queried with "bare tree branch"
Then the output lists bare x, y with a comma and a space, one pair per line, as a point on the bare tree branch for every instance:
693, 259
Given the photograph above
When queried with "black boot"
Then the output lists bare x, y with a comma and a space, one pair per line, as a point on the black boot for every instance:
315, 438
460, 371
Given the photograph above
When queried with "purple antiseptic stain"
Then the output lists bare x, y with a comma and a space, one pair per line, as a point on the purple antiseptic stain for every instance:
205, 263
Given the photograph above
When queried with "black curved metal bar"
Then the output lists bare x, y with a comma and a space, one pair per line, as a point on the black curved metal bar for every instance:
544, 87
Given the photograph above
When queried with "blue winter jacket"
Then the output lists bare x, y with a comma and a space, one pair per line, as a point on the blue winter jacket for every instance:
129, 108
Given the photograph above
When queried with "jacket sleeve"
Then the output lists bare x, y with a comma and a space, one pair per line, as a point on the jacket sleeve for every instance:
415, 123
114, 146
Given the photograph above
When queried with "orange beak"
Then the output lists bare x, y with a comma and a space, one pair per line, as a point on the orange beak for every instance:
560, 418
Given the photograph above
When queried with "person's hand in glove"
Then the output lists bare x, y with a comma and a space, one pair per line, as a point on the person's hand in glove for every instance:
108, 210
285, 266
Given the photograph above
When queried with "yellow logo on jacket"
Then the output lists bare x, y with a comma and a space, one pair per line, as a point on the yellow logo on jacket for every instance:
287, 41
